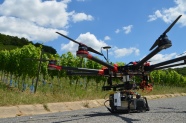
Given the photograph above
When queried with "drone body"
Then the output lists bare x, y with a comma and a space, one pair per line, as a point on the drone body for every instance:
123, 98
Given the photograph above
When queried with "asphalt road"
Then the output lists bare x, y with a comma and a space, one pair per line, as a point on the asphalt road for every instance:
166, 110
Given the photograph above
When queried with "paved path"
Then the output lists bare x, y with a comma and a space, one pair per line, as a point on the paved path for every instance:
164, 110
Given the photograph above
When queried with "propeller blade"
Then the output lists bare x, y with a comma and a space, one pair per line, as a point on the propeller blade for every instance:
168, 29
69, 38
94, 51
164, 33
89, 48
155, 44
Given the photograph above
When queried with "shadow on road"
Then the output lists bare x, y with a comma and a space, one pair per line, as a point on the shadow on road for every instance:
167, 110
99, 115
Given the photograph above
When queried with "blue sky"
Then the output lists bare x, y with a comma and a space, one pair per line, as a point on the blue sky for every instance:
130, 27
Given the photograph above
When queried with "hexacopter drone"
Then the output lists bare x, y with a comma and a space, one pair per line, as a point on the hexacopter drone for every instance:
123, 98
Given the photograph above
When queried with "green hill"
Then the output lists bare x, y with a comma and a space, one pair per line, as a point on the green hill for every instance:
181, 71
11, 42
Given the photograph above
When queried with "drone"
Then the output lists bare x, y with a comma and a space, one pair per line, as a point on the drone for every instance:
123, 98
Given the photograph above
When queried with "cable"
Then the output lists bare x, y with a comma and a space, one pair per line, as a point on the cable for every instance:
109, 109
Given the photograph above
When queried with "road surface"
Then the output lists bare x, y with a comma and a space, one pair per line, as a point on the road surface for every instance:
165, 110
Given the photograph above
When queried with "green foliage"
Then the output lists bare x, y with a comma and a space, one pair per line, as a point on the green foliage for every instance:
167, 77
12, 42
120, 63
18, 75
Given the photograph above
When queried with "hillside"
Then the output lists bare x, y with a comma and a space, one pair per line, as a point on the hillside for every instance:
11, 42
181, 71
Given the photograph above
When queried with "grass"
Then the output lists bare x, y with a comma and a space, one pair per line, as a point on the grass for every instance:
46, 107
159, 89
66, 93
44, 95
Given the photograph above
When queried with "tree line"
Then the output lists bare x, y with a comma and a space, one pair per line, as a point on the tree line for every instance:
20, 42
181, 71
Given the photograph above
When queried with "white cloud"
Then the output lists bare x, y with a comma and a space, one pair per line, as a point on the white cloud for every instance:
107, 38
156, 15
170, 14
182, 54
117, 31
128, 29
125, 51
165, 57
76, 17
162, 57
87, 39
91, 41
37, 20
48, 13
22, 28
